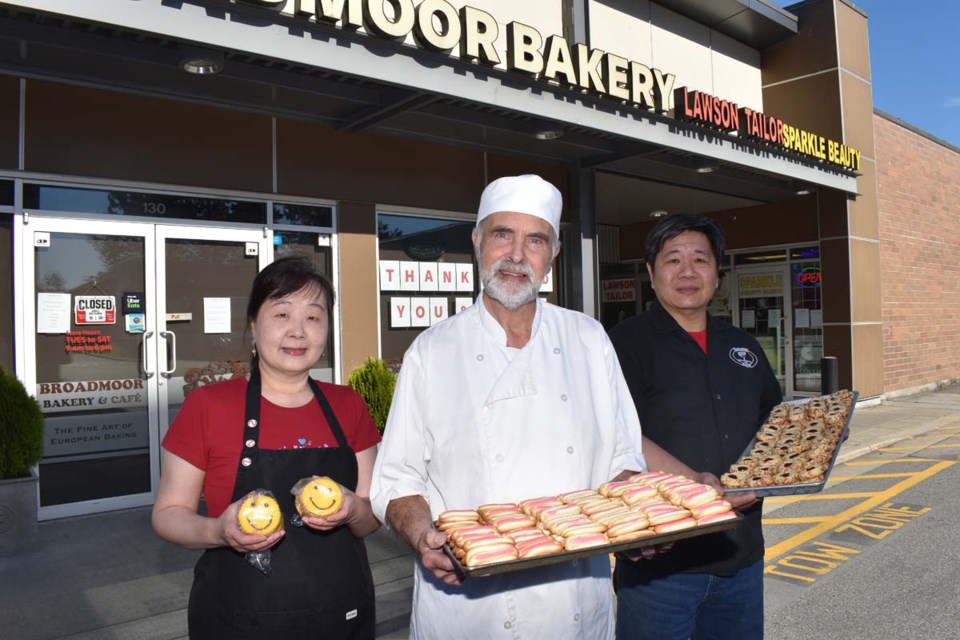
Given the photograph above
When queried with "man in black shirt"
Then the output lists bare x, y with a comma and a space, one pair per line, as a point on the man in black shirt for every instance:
702, 388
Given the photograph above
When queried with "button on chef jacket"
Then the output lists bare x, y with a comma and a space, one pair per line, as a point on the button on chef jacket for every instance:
475, 422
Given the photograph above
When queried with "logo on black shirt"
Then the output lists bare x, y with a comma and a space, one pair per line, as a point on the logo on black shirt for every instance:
743, 357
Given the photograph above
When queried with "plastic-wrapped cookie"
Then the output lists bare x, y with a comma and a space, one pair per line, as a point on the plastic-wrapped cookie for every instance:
317, 496
259, 513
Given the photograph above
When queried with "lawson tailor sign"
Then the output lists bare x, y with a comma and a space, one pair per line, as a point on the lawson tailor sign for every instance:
438, 26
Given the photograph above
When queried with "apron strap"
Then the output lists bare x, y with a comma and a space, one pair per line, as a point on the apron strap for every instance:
250, 453
328, 412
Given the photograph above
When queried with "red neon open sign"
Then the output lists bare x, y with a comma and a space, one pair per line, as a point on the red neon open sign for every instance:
808, 277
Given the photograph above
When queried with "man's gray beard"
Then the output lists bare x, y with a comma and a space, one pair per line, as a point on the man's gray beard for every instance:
511, 295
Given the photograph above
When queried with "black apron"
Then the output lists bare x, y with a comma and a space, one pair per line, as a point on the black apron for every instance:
319, 585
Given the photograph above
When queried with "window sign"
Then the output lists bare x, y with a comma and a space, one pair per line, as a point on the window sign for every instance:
95, 310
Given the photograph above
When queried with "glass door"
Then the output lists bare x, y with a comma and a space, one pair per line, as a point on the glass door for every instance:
807, 327
760, 312
204, 278
126, 319
87, 362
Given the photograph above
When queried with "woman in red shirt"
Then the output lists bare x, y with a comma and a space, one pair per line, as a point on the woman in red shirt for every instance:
267, 431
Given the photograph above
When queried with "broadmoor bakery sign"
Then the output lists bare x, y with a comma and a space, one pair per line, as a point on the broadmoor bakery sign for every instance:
438, 26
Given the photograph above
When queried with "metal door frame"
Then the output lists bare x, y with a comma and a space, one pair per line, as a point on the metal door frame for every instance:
261, 237
786, 313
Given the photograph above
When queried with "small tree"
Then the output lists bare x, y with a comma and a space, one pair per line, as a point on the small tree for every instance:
21, 428
374, 381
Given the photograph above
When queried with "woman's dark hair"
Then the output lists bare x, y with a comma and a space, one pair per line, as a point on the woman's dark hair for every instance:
286, 276
670, 227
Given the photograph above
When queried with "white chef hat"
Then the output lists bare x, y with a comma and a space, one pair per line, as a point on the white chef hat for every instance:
529, 194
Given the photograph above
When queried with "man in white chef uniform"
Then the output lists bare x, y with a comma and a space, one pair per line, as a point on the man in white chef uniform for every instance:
512, 398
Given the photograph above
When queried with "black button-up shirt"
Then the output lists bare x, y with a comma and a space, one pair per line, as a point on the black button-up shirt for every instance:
704, 409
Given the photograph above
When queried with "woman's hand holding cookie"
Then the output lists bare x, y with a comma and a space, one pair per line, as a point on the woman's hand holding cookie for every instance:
228, 525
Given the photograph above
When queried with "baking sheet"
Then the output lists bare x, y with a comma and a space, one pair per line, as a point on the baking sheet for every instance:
566, 556
799, 488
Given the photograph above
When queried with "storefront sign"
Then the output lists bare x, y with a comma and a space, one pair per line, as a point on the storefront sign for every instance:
619, 290
437, 25
91, 341
699, 107
807, 277
403, 275
764, 285
91, 395
95, 433
94, 310
417, 312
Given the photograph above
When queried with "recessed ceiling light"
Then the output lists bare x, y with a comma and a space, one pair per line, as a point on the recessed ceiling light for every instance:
705, 165
549, 134
200, 61
658, 213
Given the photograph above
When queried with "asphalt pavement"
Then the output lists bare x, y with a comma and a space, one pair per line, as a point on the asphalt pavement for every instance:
107, 576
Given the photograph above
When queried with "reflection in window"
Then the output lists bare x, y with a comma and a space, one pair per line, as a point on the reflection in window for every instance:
302, 215
6, 193
431, 247
305, 243
134, 203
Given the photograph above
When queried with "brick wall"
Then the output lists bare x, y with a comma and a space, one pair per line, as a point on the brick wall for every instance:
918, 188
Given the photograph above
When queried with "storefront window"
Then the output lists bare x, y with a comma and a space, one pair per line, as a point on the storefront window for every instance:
760, 257
427, 274
149, 205
807, 325
315, 246
302, 215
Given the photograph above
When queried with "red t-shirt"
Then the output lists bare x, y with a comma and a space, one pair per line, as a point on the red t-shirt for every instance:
700, 337
208, 431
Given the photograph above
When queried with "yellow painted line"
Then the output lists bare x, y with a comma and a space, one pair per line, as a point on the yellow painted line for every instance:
806, 520
873, 463
873, 476
821, 496
949, 427
938, 436
927, 446
790, 543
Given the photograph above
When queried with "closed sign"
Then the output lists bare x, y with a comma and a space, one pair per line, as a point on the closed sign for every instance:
94, 310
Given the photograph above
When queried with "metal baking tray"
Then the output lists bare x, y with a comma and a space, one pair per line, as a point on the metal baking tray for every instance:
566, 556
800, 488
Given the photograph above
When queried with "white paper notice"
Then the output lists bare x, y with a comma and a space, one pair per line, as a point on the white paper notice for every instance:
816, 318
53, 312
216, 315
748, 318
801, 318
773, 318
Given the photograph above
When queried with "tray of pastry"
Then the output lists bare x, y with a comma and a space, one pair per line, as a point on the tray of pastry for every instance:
649, 509
795, 450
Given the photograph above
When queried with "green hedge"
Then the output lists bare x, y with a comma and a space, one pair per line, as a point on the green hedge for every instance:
374, 381
21, 428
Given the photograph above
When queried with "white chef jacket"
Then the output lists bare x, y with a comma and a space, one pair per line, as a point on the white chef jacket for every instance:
474, 422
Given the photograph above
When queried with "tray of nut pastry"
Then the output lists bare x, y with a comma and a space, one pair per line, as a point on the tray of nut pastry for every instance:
647, 509
795, 449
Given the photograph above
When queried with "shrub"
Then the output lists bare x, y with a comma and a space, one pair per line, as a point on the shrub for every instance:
21, 428
374, 381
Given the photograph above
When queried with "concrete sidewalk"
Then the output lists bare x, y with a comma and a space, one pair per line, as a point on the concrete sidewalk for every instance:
107, 576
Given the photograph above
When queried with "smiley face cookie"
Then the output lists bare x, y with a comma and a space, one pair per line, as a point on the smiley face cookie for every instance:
317, 496
259, 513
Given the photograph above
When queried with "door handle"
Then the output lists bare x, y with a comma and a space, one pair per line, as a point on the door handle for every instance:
144, 354
173, 343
